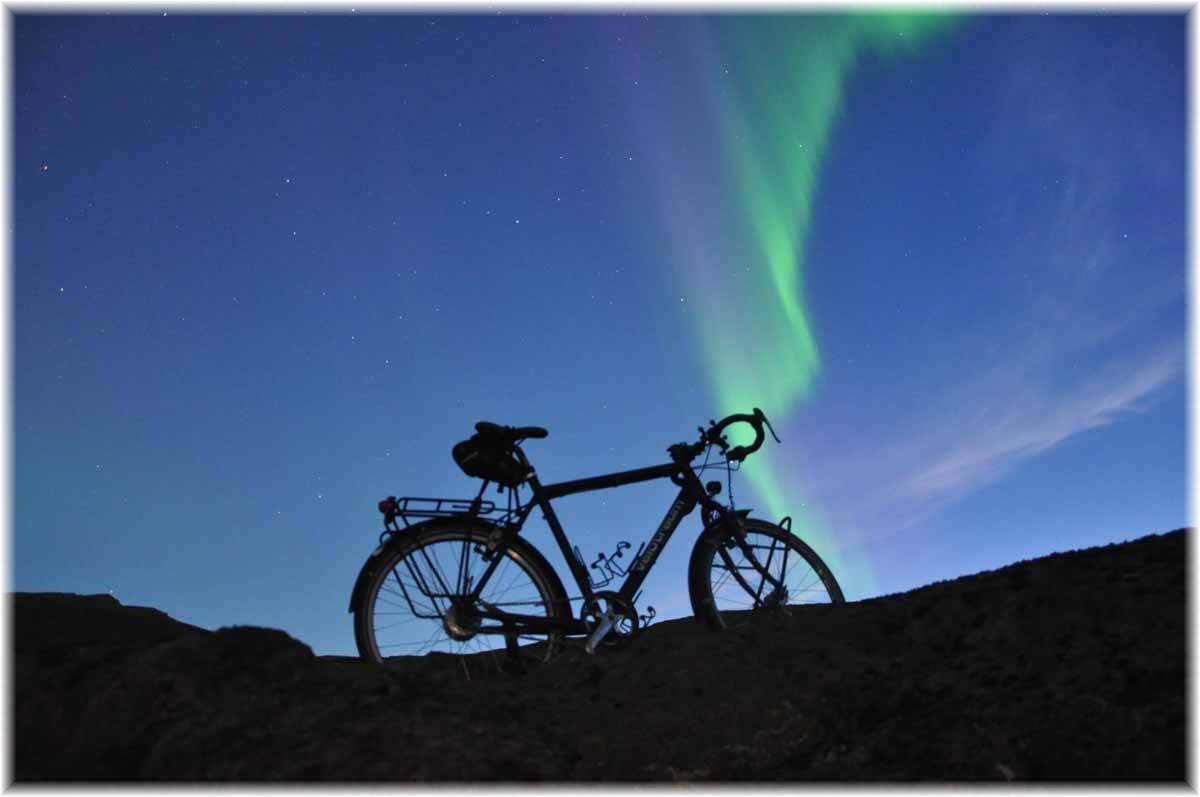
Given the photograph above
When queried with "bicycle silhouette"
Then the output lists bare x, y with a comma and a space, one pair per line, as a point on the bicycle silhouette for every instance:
461, 581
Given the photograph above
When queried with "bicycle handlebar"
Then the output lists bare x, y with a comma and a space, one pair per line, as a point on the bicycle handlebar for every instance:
713, 436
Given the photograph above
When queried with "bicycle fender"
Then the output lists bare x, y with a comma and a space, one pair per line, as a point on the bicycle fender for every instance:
364, 575
369, 567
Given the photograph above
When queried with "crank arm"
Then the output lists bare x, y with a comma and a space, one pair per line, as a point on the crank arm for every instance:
606, 624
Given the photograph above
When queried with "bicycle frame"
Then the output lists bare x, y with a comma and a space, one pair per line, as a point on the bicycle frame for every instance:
493, 533
691, 493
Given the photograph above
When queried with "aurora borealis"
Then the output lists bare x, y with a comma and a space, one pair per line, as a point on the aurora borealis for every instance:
270, 268
773, 113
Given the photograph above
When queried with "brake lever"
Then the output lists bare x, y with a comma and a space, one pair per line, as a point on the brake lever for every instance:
763, 415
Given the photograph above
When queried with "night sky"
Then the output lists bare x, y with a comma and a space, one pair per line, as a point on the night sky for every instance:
269, 269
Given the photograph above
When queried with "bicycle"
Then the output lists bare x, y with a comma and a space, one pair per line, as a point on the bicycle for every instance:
463, 580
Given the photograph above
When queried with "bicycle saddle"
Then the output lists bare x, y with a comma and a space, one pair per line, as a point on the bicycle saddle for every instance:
510, 433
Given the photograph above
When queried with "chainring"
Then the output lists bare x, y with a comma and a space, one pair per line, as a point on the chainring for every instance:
625, 627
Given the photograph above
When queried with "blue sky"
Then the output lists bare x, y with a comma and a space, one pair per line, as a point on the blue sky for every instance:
268, 270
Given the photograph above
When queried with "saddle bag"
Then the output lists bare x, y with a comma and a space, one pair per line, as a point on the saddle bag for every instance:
484, 457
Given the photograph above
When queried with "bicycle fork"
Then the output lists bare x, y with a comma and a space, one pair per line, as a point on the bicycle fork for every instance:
778, 593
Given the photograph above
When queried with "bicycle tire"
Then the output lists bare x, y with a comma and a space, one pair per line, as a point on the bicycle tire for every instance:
523, 583
727, 590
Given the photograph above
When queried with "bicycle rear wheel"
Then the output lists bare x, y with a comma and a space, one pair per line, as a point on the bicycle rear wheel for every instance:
767, 569
414, 605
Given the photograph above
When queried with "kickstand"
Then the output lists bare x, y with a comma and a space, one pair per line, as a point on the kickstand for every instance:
514, 653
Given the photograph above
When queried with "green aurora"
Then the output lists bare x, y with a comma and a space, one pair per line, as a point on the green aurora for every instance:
777, 109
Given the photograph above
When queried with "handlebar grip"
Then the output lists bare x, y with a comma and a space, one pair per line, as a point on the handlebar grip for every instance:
738, 453
713, 435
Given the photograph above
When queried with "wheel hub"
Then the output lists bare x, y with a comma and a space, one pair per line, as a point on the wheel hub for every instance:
460, 623
775, 599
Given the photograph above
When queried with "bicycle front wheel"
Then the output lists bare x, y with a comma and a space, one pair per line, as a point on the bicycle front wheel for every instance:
765, 568
417, 601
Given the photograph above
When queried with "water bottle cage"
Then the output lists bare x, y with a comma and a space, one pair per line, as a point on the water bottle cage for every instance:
607, 566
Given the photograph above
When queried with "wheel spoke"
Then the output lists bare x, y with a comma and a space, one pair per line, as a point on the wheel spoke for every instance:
768, 567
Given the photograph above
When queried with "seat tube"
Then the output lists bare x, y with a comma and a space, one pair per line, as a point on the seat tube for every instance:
582, 580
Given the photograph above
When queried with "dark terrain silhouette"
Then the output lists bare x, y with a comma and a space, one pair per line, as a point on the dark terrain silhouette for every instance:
1066, 668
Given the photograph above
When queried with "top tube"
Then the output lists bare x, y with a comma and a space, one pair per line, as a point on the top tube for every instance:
609, 480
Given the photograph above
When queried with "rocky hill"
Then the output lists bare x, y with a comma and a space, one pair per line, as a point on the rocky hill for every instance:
1066, 668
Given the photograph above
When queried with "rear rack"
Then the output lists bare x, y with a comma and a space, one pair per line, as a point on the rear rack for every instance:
411, 507
442, 507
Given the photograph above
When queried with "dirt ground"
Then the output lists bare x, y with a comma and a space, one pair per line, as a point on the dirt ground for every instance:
1067, 668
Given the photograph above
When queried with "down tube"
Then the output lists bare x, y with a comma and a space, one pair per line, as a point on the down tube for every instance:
684, 503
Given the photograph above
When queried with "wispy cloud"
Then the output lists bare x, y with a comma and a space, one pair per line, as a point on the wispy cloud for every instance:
1074, 355
934, 463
